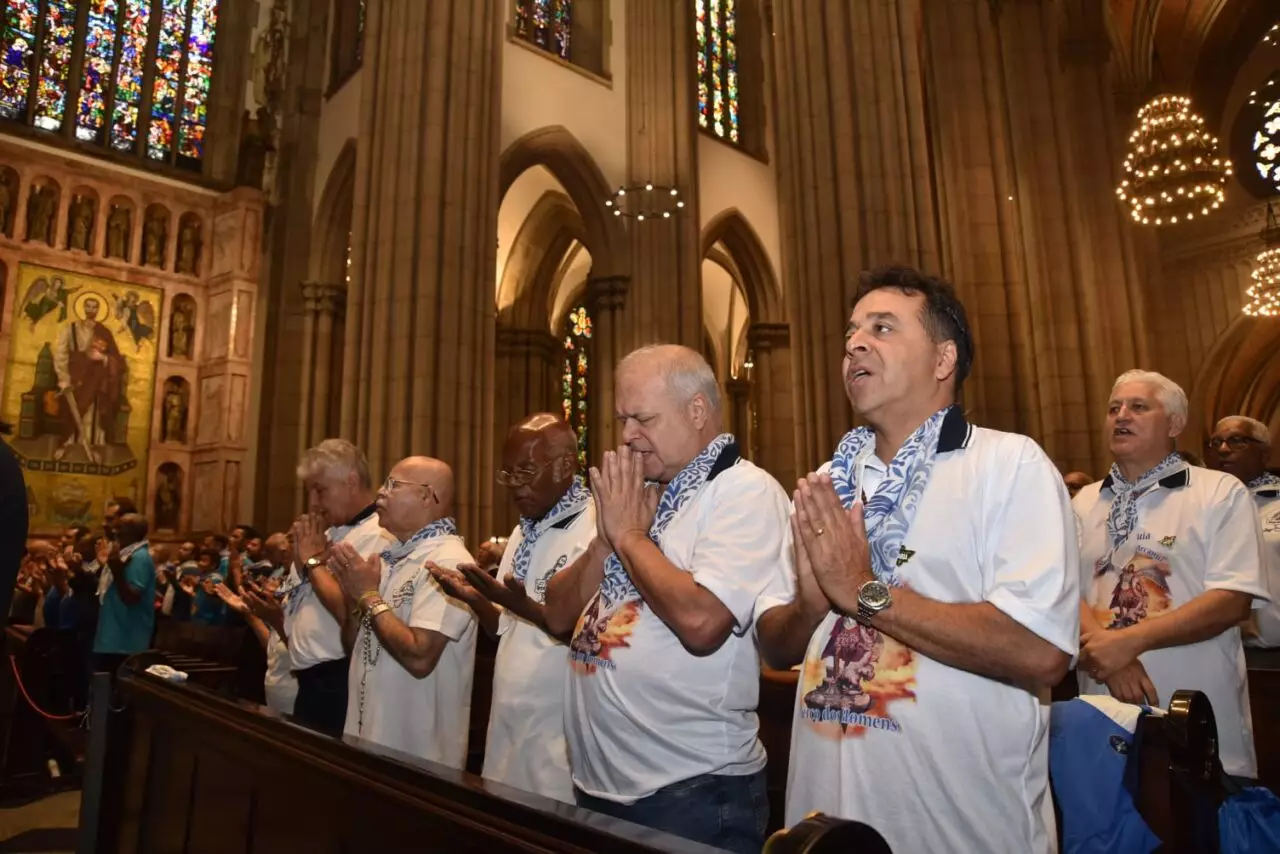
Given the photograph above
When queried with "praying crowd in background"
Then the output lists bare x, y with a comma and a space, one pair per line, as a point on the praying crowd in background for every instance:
932, 582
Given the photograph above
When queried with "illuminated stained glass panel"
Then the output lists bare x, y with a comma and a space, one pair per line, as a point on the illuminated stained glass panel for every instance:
546, 23
1266, 145
195, 94
99, 51
19, 44
716, 28
129, 77
573, 380
164, 94
55, 63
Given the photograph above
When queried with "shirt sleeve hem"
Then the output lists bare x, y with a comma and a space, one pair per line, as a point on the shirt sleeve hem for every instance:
1064, 639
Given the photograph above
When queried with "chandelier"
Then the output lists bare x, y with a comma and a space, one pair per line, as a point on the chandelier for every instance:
643, 201
1173, 172
1263, 296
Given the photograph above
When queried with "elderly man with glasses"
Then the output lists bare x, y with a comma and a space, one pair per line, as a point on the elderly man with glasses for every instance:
412, 645
1241, 446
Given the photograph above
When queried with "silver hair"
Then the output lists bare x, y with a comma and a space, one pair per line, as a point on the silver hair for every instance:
1170, 394
336, 456
1257, 429
686, 372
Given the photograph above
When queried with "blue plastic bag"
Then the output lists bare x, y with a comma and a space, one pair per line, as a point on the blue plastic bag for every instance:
1249, 823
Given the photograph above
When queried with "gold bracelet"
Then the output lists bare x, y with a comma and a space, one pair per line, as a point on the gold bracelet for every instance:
368, 594
380, 608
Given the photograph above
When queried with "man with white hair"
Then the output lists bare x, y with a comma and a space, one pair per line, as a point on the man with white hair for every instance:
1161, 539
1241, 446
340, 499
412, 646
661, 705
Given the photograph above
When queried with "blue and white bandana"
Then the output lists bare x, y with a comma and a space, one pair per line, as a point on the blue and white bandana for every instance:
573, 502
1123, 517
397, 552
1266, 480
617, 586
889, 512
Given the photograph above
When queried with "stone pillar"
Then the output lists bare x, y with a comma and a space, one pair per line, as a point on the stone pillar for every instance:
325, 305
774, 402
526, 380
605, 298
855, 186
418, 361
662, 147
738, 398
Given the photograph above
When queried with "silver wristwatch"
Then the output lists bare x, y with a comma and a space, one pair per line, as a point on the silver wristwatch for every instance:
873, 597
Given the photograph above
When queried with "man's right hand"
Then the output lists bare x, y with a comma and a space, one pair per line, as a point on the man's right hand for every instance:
510, 595
1131, 684
102, 551
307, 535
809, 594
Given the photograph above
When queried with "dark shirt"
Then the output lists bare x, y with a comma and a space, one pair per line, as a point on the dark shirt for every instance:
13, 523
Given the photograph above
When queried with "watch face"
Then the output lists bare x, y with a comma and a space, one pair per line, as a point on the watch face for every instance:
874, 594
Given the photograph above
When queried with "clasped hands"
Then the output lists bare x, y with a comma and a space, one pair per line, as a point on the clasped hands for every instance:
1110, 656
833, 559
625, 504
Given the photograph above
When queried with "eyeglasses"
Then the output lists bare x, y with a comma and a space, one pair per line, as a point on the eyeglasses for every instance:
1235, 443
391, 483
520, 477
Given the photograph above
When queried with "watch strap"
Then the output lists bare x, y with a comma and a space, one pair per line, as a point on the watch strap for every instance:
380, 608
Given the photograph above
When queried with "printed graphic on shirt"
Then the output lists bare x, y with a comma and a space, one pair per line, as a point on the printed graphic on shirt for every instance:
1271, 521
599, 632
1132, 593
540, 586
848, 687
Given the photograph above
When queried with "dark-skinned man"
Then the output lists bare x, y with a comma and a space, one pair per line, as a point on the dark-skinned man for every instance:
526, 745
661, 705
412, 646
340, 497
1181, 544
1241, 446
935, 597
127, 617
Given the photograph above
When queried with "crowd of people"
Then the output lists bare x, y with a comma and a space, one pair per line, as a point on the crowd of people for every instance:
931, 583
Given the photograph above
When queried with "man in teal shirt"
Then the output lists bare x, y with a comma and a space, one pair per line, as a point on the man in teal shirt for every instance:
128, 613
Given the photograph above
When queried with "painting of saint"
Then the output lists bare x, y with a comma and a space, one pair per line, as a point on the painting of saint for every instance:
79, 386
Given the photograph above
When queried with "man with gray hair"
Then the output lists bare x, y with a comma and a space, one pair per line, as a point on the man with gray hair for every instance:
661, 705
340, 501
1161, 539
1241, 446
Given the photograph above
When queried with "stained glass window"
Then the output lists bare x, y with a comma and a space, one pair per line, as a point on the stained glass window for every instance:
20, 18
99, 52
716, 29
1266, 145
545, 23
136, 53
573, 381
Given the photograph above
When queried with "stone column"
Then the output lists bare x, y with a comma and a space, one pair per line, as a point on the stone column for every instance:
526, 380
771, 387
418, 362
855, 186
662, 147
605, 298
738, 394
325, 304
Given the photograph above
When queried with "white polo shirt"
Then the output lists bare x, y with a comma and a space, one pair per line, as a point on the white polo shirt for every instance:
526, 746
428, 718
642, 712
279, 684
1197, 530
314, 635
1267, 500
935, 758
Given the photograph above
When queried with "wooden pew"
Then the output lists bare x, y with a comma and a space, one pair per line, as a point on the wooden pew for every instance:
187, 769
1264, 708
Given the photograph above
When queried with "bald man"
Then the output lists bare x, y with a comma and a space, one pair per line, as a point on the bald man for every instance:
526, 745
1076, 481
661, 705
412, 646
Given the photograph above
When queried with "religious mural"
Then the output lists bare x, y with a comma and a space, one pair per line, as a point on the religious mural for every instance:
79, 387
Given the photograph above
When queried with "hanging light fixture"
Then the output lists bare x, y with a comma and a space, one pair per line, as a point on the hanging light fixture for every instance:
648, 200
1173, 172
1263, 296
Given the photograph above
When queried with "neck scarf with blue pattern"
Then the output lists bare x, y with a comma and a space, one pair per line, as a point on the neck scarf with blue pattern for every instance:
889, 512
1266, 480
617, 585
397, 552
1123, 517
573, 502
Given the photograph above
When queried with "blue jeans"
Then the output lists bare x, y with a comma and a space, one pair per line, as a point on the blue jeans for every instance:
714, 809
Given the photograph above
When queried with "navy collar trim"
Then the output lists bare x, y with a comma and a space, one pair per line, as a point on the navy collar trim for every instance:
956, 430
1177, 480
